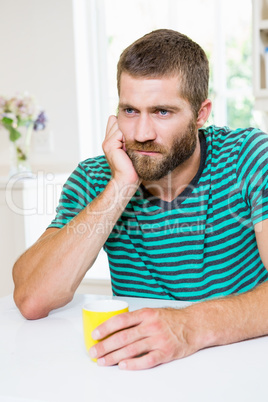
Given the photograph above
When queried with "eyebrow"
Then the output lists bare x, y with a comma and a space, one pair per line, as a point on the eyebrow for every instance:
154, 107
125, 106
166, 107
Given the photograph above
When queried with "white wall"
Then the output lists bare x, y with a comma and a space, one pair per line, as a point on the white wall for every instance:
43, 53
37, 55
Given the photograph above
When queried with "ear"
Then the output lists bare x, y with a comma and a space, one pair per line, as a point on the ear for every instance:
204, 113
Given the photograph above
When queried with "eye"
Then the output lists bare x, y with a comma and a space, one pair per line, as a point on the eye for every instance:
129, 110
163, 112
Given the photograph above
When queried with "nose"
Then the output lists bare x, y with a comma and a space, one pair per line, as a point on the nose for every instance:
144, 129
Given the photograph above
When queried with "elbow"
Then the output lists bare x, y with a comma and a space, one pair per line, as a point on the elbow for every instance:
36, 306
28, 304
28, 301
29, 307
36, 300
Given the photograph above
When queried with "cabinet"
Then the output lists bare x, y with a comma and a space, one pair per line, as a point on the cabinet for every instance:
27, 206
260, 43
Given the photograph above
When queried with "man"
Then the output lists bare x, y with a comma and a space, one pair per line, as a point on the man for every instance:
181, 211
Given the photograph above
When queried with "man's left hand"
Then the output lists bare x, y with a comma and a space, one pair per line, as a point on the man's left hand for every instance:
144, 338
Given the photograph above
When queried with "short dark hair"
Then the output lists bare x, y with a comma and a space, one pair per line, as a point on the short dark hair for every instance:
165, 52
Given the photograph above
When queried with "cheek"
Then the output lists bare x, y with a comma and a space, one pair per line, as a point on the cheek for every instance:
125, 126
167, 132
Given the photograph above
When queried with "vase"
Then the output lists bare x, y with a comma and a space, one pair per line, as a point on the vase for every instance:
20, 153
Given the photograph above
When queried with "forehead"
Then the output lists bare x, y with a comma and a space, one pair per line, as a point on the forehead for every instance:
156, 90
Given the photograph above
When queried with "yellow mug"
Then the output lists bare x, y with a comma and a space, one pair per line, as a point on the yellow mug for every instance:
95, 313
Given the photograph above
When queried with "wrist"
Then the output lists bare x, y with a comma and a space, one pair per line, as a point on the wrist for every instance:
123, 188
204, 329
120, 193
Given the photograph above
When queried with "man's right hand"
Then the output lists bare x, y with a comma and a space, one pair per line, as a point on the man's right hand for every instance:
113, 146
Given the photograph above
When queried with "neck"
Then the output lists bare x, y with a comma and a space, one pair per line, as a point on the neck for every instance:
173, 184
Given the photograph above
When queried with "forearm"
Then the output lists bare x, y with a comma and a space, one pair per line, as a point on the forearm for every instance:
47, 275
230, 319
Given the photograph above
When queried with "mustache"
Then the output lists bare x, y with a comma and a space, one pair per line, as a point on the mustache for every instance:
149, 146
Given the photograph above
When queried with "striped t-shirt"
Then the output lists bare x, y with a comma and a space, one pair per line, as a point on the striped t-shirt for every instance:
200, 245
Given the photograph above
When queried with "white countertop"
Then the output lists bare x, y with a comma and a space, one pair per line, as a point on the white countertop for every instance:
45, 360
24, 181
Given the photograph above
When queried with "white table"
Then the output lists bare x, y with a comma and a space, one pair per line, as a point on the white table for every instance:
45, 360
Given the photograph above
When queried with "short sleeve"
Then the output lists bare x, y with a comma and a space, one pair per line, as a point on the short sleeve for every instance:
77, 193
253, 174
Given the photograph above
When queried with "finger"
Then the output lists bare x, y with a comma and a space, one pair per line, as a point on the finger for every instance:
130, 351
117, 323
111, 120
114, 137
112, 126
149, 360
118, 341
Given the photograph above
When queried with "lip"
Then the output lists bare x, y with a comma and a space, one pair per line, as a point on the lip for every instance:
149, 153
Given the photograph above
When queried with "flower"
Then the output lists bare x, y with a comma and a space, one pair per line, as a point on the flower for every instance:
40, 122
21, 110
2, 104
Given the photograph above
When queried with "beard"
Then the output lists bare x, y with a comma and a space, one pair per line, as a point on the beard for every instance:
151, 168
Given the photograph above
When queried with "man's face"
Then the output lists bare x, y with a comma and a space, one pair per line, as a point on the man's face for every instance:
158, 125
